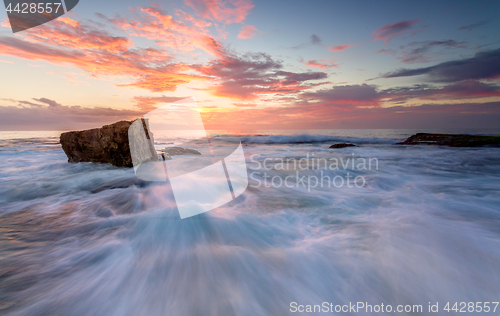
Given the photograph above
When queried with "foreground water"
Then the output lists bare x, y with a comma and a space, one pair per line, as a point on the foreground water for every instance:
88, 239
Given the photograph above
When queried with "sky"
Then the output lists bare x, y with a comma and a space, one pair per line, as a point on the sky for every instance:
254, 65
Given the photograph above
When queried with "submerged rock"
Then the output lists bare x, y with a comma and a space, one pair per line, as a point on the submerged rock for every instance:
120, 184
177, 151
342, 145
452, 140
108, 144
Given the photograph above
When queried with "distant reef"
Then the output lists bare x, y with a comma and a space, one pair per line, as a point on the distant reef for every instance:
108, 144
452, 140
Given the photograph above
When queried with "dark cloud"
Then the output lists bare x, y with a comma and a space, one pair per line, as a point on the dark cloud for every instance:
51, 103
364, 94
296, 78
250, 75
420, 52
387, 32
386, 51
47, 114
456, 91
472, 26
484, 65
314, 40
369, 95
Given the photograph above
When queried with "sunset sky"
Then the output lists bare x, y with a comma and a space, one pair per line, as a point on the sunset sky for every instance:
257, 64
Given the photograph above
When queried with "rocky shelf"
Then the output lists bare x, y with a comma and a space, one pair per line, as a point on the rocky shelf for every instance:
452, 140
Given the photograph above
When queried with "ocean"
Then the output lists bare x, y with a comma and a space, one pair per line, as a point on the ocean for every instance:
316, 232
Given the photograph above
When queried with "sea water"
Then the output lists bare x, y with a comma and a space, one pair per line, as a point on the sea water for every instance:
89, 239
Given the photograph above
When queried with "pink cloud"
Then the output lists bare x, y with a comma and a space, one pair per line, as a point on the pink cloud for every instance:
227, 12
318, 64
248, 31
148, 68
387, 32
101, 54
339, 48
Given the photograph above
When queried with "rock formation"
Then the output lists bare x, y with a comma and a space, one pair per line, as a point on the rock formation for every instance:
452, 140
342, 145
114, 144
108, 144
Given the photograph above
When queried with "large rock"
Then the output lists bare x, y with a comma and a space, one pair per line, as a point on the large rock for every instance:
108, 144
453, 140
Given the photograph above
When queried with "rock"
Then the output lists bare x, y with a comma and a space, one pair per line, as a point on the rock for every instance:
141, 141
342, 145
108, 144
177, 151
111, 144
452, 140
120, 184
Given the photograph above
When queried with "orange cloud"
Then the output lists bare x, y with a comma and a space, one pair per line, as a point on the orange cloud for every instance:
186, 35
152, 69
248, 31
71, 34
